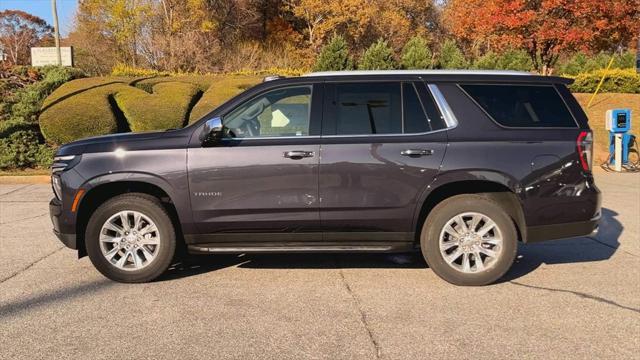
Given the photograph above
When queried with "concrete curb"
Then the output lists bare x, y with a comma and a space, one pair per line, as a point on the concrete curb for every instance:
25, 179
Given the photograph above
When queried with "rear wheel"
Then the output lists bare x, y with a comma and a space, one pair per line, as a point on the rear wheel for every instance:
131, 238
469, 240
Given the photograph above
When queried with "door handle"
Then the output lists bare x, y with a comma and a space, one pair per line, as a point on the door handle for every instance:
416, 152
298, 154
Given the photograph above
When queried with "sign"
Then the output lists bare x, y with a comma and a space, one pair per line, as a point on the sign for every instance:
42, 56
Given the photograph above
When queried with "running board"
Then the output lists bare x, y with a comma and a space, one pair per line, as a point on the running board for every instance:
216, 249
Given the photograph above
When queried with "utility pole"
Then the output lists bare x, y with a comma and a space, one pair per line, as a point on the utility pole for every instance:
56, 30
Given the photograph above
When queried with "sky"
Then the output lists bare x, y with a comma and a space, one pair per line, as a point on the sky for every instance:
42, 9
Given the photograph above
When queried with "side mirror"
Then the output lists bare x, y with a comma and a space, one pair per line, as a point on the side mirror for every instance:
212, 131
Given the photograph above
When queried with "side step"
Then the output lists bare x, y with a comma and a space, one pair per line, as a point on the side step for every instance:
222, 249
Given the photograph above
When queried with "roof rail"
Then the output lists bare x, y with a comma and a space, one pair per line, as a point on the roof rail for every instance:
418, 72
272, 77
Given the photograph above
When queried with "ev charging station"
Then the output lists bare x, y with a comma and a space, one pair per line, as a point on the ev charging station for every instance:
618, 123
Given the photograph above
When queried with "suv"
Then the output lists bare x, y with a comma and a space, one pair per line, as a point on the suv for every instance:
460, 165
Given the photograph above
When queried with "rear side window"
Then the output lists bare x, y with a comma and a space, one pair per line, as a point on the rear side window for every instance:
522, 105
367, 108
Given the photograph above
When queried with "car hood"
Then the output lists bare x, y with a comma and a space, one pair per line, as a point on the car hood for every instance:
171, 139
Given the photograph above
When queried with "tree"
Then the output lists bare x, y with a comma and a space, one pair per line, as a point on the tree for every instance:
511, 59
416, 54
334, 56
451, 56
379, 56
544, 28
19, 31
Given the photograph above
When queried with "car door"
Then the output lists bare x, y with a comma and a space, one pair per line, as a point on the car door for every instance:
381, 148
261, 178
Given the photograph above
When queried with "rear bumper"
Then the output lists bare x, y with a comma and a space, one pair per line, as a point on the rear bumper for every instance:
561, 231
59, 225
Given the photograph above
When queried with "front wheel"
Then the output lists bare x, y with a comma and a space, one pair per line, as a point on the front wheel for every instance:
469, 240
131, 238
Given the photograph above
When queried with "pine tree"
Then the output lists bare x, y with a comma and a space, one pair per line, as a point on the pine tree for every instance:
416, 54
334, 56
451, 56
379, 56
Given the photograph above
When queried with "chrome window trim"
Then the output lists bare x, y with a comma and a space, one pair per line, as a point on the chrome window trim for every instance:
447, 114
521, 127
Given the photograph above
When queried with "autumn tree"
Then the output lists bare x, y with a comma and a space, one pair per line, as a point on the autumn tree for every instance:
544, 28
19, 31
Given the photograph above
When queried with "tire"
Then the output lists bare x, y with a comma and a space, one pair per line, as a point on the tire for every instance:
436, 242
148, 247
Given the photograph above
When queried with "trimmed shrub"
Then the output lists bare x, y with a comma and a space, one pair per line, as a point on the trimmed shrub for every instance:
416, 54
616, 81
222, 89
379, 56
451, 56
334, 56
166, 108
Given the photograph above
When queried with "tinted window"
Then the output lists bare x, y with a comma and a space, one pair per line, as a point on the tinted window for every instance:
522, 105
415, 120
280, 112
366, 108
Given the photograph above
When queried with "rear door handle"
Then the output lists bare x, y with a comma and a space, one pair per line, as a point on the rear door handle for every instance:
298, 154
416, 152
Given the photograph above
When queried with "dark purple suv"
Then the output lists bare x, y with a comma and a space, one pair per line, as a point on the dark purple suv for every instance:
460, 165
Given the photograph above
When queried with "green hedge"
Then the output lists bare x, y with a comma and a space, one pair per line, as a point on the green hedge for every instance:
616, 81
104, 105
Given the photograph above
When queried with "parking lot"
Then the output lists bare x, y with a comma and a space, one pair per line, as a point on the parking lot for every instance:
577, 298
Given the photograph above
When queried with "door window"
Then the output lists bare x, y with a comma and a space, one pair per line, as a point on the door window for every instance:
280, 112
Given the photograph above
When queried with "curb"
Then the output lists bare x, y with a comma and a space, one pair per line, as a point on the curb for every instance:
24, 179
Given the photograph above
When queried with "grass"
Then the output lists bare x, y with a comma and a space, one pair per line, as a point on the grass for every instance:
596, 114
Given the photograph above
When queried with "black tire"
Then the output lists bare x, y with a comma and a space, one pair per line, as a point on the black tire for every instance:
150, 207
449, 208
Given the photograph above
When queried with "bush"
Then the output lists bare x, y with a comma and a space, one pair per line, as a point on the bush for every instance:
451, 56
126, 70
22, 149
166, 108
27, 101
379, 56
416, 54
222, 89
81, 108
583, 63
334, 56
508, 60
616, 81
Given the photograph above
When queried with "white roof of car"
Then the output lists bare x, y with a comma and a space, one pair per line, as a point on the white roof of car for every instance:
418, 72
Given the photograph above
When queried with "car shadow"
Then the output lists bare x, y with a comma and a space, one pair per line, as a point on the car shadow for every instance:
530, 256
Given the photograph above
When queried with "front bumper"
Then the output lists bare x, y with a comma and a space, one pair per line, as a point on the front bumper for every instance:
55, 211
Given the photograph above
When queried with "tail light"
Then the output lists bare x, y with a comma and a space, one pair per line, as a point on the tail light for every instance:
584, 145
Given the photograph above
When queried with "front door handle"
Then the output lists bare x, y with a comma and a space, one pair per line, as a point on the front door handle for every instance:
416, 152
298, 154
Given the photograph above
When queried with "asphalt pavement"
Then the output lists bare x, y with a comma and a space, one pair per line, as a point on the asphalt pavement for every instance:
577, 298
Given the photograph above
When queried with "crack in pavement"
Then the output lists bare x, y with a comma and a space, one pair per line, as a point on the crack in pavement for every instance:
2, 281
27, 218
14, 190
363, 315
579, 294
617, 248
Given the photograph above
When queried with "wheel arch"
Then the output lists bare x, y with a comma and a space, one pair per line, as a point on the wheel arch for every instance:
98, 194
496, 191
